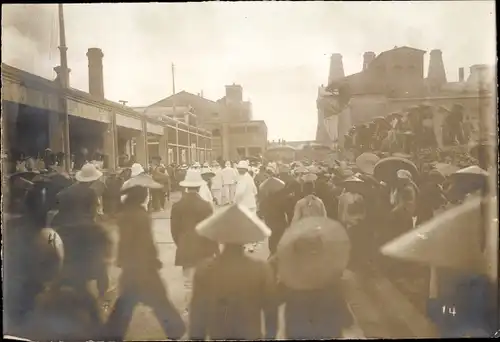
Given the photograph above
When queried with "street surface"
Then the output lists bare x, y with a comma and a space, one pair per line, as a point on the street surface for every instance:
379, 309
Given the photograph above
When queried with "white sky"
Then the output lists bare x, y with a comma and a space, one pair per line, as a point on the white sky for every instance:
278, 51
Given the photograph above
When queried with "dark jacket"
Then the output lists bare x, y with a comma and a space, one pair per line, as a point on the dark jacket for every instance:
77, 200
230, 292
315, 314
186, 214
137, 250
87, 248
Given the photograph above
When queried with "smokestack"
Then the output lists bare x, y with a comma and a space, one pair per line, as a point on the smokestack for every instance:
96, 80
336, 68
461, 75
368, 57
436, 74
478, 74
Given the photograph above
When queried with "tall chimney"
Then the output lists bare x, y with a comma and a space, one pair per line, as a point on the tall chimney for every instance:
336, 68
478, 74
368, 57
96, 80
436, 74
461, 75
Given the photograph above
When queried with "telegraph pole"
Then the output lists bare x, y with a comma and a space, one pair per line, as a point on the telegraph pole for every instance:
63, 75
173, 85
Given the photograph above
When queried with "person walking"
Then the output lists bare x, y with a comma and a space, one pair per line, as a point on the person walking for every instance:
310, 204
135, 171
186, 214
217, 183
232, 291
140, 281
228, 181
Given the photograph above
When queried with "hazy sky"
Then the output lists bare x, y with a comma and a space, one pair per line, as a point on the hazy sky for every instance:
278, 51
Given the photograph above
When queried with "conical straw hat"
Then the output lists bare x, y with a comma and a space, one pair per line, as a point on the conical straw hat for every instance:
233, 225
450, 240
312, 252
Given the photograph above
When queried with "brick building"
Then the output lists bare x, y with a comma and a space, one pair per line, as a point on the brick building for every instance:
234, 134
394, 81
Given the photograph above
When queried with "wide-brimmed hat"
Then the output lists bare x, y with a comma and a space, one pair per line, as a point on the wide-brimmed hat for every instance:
309, 177
243, 164
445, 241
270, 186
233, 225
142, 180
88, 173
136, 170
207, 171
366, 162
312, 252
192, 179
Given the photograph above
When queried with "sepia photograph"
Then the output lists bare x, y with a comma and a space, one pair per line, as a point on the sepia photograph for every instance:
249, 170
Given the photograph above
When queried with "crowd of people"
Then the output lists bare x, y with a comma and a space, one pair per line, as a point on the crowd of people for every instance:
319, 219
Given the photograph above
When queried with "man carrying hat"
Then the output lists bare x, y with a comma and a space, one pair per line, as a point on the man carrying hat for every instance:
186, 214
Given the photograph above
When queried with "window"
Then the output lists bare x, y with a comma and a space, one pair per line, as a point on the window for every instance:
216, 132
252, 129
237, 130
254, 151
241, 151
215, 115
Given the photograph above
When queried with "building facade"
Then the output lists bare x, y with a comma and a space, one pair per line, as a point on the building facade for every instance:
34, 108
233, 132
394, 81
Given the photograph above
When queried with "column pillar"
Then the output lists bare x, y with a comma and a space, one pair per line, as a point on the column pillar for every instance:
141, 150
162, 147
177, 153
198, 147
110, 145
56, 132
225, 141
189, 152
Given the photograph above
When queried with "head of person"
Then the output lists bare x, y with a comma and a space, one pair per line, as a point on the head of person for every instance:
242, 167
88, 174
135, 196
192, 181
308, 183
136, 169
403, 177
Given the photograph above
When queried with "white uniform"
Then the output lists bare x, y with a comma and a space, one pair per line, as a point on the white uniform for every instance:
228, 181
245, 192
217, 185
206, 194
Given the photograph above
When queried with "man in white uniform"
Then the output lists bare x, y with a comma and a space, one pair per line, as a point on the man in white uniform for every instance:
245, 188
228, 181
246, 192
217, 183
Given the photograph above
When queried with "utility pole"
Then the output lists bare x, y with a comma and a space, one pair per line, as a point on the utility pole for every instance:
63, 75
173, 86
